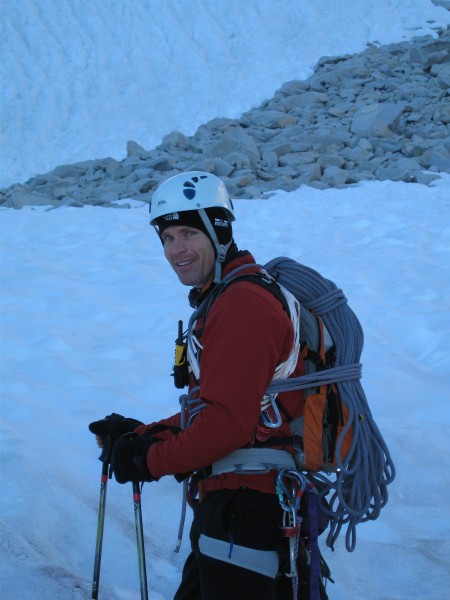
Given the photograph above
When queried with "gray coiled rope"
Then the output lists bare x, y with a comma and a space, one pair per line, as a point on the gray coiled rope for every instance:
359, 490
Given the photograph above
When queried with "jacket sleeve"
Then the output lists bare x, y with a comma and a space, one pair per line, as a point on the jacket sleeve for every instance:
173, 421
246, 335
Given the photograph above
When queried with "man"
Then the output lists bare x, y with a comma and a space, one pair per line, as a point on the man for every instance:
230, 439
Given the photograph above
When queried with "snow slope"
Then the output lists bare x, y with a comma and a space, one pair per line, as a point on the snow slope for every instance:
88, 325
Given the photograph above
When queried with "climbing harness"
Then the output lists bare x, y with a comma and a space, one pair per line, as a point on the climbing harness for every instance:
253, 461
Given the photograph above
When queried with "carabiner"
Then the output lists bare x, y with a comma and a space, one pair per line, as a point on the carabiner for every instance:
270, 413
289, 499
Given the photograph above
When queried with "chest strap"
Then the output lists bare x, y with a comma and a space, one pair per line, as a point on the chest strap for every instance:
253, 461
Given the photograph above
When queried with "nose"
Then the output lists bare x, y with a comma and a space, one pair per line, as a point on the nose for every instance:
179, 246
176, 249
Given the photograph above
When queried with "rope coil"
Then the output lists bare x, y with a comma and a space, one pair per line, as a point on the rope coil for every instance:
359, 490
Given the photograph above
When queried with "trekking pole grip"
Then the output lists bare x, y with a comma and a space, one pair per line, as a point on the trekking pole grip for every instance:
107, 447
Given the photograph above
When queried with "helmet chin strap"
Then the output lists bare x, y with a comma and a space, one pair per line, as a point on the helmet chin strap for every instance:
221, 249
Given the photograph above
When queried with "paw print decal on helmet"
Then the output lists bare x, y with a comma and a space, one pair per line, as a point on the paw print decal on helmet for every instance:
189, 190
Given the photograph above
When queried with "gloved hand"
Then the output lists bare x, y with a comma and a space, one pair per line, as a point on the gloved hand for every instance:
110, 429
129, 457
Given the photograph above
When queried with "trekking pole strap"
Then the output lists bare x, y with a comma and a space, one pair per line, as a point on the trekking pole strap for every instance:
253, 461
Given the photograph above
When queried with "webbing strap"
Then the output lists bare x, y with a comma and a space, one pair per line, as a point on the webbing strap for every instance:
253, 460
221, 249
265, 562
314, 592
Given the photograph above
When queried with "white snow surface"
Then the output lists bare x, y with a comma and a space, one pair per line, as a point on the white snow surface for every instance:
89, 307
80, 79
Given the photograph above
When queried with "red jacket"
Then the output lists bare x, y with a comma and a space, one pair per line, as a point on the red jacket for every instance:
246, 335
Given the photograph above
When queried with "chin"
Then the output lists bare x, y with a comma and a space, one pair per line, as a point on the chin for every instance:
186, 281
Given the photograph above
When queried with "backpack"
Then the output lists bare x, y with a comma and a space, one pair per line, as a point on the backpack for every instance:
336, 441
325, 430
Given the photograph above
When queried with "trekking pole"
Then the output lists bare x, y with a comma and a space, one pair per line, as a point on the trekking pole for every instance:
105, 458
140, 540
100, 528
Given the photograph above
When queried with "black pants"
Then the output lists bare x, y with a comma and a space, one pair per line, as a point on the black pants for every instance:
246, 518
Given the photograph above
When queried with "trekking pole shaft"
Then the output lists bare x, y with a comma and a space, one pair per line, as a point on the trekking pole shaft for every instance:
140, 540
100, 528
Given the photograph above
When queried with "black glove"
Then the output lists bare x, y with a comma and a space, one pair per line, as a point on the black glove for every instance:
111, 428
129, 457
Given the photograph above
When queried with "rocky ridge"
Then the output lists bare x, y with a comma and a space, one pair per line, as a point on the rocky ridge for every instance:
381, 114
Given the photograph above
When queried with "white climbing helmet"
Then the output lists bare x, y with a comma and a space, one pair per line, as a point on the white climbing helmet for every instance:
193, 190
202, 194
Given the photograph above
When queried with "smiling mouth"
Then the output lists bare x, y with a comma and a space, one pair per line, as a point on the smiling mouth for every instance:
184, 263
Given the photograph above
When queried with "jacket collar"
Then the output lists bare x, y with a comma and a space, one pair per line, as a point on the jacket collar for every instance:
236, 259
